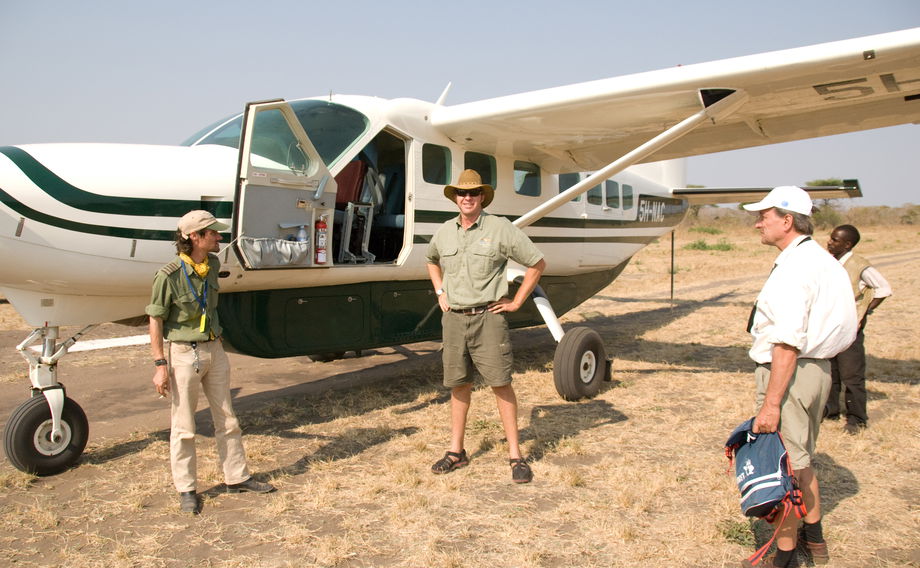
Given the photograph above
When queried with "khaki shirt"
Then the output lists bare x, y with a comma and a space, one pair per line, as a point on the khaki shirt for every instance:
473, 260
173, 300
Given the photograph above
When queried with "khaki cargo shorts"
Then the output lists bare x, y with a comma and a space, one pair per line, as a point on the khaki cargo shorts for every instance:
478, 342
802, 407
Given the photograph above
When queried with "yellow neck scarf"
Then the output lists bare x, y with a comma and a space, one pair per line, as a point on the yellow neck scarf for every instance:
201, 268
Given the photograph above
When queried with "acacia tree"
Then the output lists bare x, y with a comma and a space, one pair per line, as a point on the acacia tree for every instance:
826, 214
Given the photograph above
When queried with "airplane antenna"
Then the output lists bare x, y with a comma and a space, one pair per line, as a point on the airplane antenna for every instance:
444, 94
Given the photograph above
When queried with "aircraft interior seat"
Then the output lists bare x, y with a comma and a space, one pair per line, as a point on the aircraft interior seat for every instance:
352, 220
350, 182
393, 211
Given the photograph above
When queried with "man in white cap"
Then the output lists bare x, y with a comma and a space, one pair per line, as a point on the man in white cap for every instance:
183, 309
803, 317
467, 257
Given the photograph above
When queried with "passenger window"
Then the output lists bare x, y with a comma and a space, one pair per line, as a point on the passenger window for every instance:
613, 194
567, 181
596, 195
482, 163
436, 164
627, 196
526, 178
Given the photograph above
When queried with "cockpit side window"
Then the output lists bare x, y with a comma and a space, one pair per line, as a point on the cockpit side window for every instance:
332, 128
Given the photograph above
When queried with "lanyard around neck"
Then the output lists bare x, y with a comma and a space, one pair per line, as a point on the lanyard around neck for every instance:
202, 300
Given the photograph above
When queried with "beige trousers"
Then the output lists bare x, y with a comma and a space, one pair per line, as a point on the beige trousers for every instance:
213, 377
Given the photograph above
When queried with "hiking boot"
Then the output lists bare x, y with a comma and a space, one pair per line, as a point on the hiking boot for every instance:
450, 462
768, 561
251, 485
520, 471
852, 428
817, 551
189, 502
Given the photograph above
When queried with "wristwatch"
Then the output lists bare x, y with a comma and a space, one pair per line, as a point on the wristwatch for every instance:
159, 362
439, 291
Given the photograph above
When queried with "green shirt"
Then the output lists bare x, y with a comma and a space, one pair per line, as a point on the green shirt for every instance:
175, 301
473, 260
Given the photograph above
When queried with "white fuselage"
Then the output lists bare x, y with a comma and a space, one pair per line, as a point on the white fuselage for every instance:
82, 226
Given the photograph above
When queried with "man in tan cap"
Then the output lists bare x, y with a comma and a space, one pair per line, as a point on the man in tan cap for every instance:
467, 257
183, 309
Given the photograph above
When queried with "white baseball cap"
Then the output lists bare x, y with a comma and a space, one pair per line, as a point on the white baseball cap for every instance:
788, 197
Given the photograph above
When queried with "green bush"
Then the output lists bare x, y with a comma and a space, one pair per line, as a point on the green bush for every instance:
700, 244
707, 230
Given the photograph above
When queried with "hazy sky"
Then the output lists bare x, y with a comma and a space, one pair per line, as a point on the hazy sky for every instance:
155, 72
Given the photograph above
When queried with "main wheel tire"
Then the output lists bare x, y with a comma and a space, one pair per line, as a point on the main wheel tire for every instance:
579, 364
27, 440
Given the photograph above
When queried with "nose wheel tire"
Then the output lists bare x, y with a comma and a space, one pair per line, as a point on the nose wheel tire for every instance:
28, 442
580, 364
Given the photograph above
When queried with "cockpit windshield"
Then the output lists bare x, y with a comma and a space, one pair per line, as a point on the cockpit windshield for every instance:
332, 128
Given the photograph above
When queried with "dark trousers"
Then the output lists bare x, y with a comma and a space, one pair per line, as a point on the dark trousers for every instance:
848, 369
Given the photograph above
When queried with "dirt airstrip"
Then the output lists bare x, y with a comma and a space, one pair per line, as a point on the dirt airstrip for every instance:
634, 477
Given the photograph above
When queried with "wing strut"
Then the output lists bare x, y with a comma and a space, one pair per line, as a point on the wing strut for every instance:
717, 110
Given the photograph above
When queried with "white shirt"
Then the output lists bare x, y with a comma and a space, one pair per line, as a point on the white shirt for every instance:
807, 303
870, 278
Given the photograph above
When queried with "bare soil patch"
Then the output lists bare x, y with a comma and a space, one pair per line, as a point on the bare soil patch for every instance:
634, 477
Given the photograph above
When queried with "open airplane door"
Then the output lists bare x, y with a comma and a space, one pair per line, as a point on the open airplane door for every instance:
285, 196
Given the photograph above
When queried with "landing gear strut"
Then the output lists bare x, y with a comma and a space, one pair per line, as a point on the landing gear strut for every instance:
48, 432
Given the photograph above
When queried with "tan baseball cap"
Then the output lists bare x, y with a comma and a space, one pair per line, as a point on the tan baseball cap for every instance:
198, 220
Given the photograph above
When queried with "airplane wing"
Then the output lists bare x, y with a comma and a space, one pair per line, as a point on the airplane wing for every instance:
713, 195
831, 88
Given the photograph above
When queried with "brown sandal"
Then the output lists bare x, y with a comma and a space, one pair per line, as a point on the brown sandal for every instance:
447, 465
520, 471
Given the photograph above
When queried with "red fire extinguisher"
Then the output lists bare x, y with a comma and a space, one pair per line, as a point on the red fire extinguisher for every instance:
320, 248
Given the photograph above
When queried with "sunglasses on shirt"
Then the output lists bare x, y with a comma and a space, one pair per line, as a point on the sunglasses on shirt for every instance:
467, 192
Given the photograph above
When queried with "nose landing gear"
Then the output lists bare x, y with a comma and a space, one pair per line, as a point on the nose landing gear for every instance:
47, 433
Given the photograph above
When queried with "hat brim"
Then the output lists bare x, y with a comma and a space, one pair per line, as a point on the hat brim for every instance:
218, 226
759, 206
488, 193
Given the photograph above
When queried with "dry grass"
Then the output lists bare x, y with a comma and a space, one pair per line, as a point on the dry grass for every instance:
634, 477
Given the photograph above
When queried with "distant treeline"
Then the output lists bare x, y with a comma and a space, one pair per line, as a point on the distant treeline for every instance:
829, 214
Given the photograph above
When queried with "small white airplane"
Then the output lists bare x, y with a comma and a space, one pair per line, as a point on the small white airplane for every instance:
332, 200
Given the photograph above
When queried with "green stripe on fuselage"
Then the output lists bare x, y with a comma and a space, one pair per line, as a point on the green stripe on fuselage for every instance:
128, 233
53, 185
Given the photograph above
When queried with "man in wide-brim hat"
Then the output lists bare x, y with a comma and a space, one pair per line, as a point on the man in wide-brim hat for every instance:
467, 258
470, 180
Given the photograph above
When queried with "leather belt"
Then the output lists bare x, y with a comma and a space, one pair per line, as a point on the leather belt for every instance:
193, 344
769, 365
475, 310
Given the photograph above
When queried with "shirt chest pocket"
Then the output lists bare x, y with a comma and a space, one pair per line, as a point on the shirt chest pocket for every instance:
484, 260
450, 259
188, 305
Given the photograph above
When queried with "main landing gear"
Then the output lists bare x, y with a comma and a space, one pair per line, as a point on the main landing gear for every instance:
47, 433
580, 364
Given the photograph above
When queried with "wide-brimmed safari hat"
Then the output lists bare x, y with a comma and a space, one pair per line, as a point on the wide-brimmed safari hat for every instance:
470, 179
197, 220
